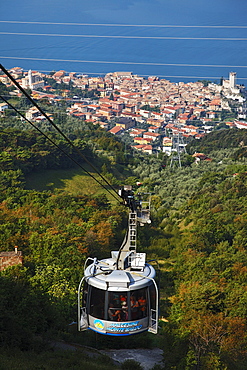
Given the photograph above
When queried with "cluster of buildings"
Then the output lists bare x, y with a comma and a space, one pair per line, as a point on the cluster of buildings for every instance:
126, 101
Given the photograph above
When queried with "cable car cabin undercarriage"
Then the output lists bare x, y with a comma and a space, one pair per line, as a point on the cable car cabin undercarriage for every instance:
118, 295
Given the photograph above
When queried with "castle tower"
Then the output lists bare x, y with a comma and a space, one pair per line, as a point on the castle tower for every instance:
30, 79
232, 80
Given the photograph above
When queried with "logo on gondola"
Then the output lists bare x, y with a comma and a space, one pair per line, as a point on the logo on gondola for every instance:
99, 324
124, 327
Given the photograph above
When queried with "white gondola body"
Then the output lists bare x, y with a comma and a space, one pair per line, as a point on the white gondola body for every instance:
119, 295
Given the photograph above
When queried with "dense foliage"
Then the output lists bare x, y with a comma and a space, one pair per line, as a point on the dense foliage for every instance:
200, 230
55, 231
209, 306
221, 139
198, 234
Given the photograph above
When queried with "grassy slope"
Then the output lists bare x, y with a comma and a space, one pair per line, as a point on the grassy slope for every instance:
73, 181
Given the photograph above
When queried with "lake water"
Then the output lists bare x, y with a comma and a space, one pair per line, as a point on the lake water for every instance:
200, 40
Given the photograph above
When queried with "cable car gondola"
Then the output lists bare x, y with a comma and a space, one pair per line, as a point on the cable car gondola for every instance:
119, 295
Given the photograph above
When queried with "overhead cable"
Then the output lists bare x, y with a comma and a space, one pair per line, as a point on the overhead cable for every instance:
127, 25
125, 63
126, 37
48, 138
53, 142
63, 135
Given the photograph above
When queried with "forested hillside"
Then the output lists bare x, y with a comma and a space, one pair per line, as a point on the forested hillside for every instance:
219, 139
201, 235
198, 234
55, 231
209, 271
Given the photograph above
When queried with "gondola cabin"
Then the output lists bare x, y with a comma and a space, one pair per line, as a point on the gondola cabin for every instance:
119, 302
119, 295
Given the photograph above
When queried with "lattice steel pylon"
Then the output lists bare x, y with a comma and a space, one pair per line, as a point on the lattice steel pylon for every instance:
175, 154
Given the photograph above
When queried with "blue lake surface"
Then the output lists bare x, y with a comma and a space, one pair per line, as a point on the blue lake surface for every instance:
183, 40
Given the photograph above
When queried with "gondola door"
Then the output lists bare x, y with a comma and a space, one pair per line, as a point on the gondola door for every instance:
82, 306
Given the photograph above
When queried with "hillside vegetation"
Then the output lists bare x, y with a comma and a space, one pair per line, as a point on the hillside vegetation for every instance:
198, 234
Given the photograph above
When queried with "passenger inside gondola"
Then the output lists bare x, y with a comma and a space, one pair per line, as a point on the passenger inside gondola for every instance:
124, 311
134, 307
123, 307
118, 308
142, 302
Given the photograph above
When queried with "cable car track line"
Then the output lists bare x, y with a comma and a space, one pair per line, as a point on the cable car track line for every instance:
126, 25
127, 37
65, 137
127, 63
53, 142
